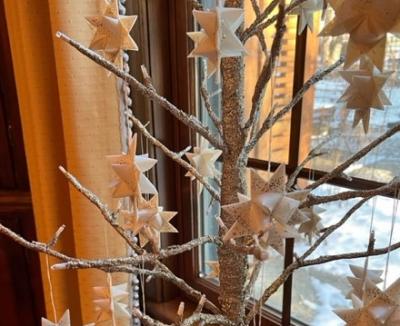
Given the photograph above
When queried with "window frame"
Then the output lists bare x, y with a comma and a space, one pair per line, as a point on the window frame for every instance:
182, 91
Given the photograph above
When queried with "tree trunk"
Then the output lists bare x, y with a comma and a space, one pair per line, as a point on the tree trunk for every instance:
233, 265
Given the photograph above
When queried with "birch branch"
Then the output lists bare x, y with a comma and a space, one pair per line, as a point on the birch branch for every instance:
188, 120
251, 30
108, 215
207, 104
271, 120
259, 25
357, 156
268, 68
386, 189
314, 153
174, 156
260, 34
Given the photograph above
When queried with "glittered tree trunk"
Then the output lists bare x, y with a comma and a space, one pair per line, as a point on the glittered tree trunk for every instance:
233, 264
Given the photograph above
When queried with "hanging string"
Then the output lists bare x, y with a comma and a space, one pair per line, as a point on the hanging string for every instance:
109, 277
366, 263
53, 304
394, 214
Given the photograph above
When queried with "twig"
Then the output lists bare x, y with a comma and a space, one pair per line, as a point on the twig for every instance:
268, 68
314, 153
207, 104
251, 30
388, 188
334, 227
208, 320
260, 34
174, 156
150, 93
357, 156
253, 278
258, 25
108, 215
271, 120
56, 237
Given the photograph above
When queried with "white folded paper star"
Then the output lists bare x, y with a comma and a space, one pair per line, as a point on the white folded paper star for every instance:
108, 301
217, 38
64, 320
306, 11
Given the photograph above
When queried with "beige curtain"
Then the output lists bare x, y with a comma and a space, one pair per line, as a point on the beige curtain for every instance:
70, 116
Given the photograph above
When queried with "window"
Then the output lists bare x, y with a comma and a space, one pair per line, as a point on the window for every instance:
316, 291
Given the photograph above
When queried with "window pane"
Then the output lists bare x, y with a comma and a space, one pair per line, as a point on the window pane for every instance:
330, 121
318, 290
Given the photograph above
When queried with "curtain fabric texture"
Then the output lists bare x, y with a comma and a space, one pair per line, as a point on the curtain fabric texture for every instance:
70, 117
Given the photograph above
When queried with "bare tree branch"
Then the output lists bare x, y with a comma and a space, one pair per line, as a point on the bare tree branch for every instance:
108, 215
207, 104
271, 120
314, 153
260, 25
357, 156
269, 67
148, 92
251, 30
386, 189
174, 156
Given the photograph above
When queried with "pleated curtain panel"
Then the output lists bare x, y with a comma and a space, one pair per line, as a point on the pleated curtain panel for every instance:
69, 109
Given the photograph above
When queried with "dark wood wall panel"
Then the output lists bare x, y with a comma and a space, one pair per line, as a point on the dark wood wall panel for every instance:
21, 294
10, 119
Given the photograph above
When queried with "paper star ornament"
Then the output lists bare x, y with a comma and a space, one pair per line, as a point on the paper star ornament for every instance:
112, 33
214, 269
306, 11
108, 301
217, 38
268, 203
377, 307
365, 91
65, 320
130, 170
313, 225
367, 22
203, 160
149, 220
360, 276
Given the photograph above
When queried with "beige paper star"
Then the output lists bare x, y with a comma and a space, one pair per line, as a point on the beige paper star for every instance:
268, 203
217, 39
376, 308
214, 269
149, 220
130, 170
313, 225
108, 301
365, 92
367, 22
306, 11
362, 275
64, 320
275, 237
112, 33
